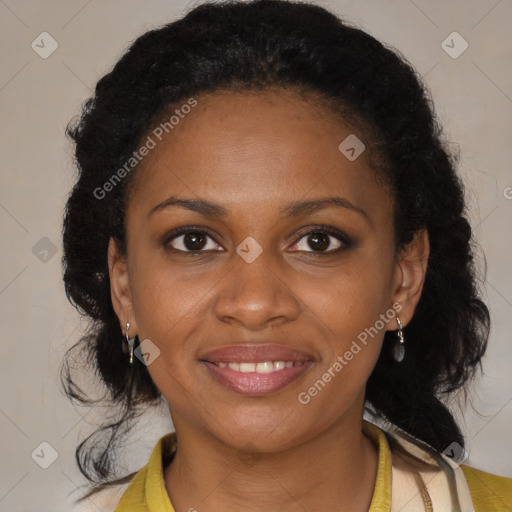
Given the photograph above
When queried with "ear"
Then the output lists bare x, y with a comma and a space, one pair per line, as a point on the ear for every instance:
410, 272
120, 291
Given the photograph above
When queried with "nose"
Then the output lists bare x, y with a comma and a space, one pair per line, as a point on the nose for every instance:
256, 296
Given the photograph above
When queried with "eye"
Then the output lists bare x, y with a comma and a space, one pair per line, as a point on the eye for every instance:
322, 240
319, 240
192, 241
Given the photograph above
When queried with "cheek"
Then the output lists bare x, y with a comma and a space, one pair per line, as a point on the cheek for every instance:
166, 313
347, 310
351, 298
165, 296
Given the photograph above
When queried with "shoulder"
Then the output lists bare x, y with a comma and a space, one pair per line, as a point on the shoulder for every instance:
488, 491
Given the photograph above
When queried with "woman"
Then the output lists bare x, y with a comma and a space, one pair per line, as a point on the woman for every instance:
268, 233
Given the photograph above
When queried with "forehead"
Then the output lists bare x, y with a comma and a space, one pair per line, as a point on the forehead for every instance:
247, 149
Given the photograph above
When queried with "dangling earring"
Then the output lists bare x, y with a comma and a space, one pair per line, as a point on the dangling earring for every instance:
130, 342
399, 349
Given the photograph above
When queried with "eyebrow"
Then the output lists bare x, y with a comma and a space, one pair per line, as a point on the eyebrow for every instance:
294, 209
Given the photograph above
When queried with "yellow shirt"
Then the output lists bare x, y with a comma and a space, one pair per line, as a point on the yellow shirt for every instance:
147, 493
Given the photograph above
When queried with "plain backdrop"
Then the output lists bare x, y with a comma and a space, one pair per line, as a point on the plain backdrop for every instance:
38, 96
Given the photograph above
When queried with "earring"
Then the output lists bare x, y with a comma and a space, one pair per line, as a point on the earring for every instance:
130, 342
399, 349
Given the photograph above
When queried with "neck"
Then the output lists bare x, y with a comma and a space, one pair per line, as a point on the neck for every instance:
335, 470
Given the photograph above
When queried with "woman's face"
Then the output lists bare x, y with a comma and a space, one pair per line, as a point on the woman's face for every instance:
257, 278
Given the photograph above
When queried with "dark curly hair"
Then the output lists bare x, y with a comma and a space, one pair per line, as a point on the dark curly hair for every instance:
243, 46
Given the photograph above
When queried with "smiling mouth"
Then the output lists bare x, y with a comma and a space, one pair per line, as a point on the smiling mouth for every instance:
256, 369
258, 378
261, 367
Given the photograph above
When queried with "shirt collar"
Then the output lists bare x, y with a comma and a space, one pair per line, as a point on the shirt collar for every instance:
381, 500
158, 500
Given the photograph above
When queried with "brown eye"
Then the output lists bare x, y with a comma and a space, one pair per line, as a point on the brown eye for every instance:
320, 241
193, 241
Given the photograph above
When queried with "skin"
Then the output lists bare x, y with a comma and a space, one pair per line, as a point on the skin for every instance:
254, 154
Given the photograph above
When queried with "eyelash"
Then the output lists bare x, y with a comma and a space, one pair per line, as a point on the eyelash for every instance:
342, 237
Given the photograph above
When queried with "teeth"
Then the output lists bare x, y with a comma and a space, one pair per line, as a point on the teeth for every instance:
247, 367
261, 367
265, 367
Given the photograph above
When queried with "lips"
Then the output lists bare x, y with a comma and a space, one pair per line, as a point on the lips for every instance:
256, 369
254, 353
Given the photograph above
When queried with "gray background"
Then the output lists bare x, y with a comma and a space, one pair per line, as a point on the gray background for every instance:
473, 95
